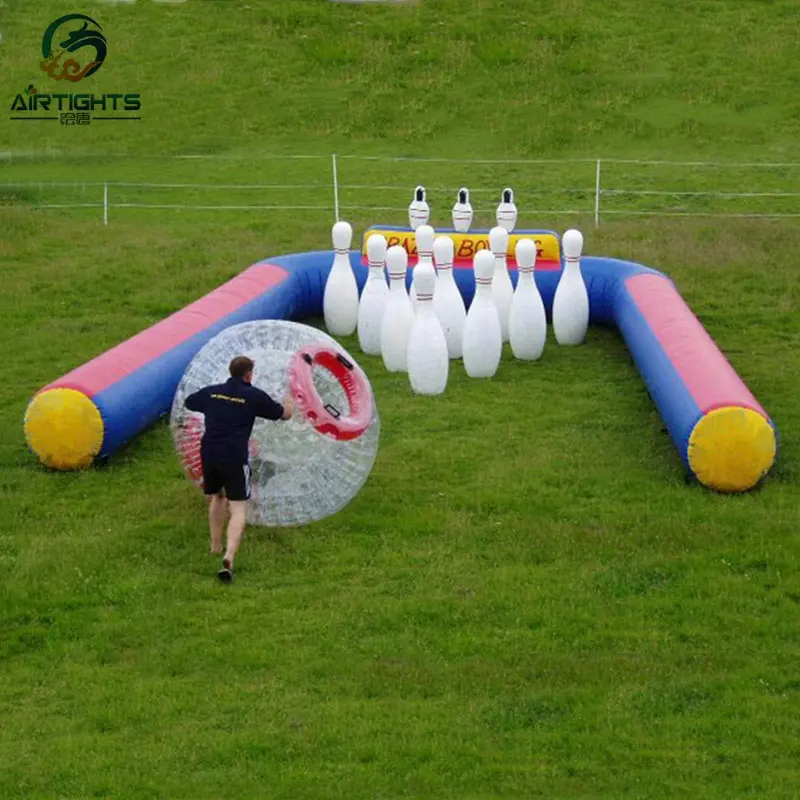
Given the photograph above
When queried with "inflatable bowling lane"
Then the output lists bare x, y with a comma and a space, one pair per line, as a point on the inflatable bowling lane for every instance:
724, 436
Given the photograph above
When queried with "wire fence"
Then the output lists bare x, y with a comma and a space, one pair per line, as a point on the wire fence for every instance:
334, 186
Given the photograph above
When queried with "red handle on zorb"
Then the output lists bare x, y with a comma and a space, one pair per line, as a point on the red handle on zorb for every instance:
326, 418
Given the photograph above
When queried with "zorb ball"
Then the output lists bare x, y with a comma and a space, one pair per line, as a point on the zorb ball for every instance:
306, 468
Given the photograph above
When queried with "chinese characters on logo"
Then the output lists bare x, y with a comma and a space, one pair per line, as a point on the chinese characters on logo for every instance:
75, 118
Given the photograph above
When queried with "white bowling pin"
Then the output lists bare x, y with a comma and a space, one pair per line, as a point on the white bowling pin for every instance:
418, 210
427, 358
502, 288
462, 211
398, 315
447, 300
373, 297
507, 210
340, 299
483, 336
527, 322
424, 235
571, 300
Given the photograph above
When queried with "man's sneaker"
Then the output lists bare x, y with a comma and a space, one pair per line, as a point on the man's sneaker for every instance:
226, 573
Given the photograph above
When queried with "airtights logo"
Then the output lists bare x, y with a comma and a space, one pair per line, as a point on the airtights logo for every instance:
74, 48
76, 40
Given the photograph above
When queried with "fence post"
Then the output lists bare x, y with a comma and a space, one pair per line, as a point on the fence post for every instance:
335, 189
597, 196
105, 203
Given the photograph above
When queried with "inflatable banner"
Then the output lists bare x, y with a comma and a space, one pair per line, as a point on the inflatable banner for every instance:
548, 244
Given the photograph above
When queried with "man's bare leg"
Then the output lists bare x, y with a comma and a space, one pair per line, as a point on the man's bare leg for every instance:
217, 511
235, 530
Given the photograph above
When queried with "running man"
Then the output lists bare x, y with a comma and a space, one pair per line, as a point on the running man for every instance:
230, 410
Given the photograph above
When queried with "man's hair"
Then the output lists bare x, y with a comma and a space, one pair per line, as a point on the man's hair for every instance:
240, 366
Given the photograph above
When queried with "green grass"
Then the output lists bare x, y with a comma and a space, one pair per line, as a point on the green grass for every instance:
525, 599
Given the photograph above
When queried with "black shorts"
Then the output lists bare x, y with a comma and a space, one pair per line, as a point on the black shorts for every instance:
233, 478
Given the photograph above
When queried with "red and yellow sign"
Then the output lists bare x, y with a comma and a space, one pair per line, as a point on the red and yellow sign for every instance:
548, 246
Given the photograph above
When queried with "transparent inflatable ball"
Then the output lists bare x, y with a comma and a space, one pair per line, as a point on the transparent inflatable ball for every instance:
306, 468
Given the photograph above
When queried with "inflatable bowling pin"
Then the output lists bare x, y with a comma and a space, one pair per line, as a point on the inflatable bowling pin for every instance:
447, 300
398, 315
340, 299
483, 336
502, 288
418, 210
424, 235
571, 300
427, 357
527, 321
373, 297
462, 211
507, 211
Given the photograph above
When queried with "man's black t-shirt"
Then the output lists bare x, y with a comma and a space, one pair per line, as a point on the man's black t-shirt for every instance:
230, 410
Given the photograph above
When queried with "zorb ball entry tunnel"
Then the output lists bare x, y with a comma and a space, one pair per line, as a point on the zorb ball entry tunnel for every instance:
306, 468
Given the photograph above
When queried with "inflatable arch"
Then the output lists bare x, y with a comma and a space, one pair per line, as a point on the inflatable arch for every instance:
725, 438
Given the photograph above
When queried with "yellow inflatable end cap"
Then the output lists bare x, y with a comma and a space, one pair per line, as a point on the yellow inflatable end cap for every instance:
731, 449
64, 428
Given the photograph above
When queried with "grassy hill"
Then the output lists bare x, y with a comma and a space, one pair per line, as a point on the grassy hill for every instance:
525, 599
465, 77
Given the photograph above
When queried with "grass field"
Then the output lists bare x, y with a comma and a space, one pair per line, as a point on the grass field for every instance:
526, 599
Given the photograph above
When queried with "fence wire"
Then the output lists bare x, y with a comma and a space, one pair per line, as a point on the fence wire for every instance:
336, 184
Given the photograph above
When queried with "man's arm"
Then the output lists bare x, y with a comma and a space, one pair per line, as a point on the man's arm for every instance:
269, 409
196, 401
